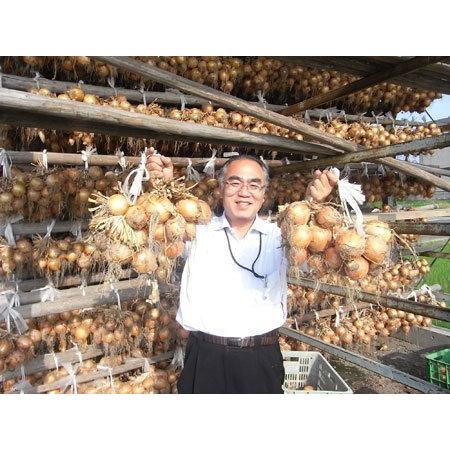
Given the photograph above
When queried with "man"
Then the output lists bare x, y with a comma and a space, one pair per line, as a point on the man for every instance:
234, 288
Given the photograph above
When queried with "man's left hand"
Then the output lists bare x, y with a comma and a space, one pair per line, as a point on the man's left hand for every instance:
321, 186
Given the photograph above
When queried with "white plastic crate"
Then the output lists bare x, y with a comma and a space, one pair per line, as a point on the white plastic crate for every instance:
311, 368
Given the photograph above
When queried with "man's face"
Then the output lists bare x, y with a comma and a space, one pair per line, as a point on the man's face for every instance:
243, 190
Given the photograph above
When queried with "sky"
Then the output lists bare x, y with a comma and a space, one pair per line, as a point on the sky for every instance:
439, 109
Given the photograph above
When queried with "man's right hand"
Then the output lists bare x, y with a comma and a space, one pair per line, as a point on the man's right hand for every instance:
159, 166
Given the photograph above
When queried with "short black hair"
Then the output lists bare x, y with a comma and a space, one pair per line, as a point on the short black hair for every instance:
257, 160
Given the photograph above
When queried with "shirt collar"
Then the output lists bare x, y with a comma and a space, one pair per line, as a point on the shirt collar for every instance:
259, 224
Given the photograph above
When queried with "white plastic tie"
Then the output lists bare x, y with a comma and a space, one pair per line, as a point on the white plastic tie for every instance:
6, 229
86, 154
181, 95
8, 312
82, 287
72, 382
381, 170
22, 387
191, 173
110, 374
261, 99
307, 118
138, 175
36, 78
144, 98
75, 229
178, 357
365, 169
45, 159
55, 360
316, 314
77, 352
5, 162
49, 228
121, 159
112, 83
47, 293
209, 168
351, 195
145, 365
114, 289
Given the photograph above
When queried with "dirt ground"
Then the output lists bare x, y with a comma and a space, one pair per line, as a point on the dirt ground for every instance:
400, 354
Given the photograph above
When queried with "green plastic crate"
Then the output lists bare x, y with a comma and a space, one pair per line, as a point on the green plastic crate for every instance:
439, 367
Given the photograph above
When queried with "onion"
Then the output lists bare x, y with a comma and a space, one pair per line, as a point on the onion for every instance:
175, 228
24, 343
298, 213
349, 244
18, 189
315, 263
205, 211
376, 249
357, 268
190, 232
159, 207
6, 347
136, 217
174, 250
300, 236
118, 205
328, 217
15, 359
320, 238
119, 253
297, 256
81, 333
378, 228
332, 258
189, 209
144, 261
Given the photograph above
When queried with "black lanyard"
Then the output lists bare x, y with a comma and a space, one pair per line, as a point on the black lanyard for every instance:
252, 270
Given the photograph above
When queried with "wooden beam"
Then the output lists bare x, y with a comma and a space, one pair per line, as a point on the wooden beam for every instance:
74, 159
131, 364
363, 83
407, 215
183, 84
47, 361
328, 312
418, 145
428, 229
367, 363
71, 299
436, 255
167, 98
25, 109
411, 169
388, 301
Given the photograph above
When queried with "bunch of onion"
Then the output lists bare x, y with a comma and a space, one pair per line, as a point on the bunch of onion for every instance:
376, 187
56, 257
15, 350
207, 189
15, 259
402, 274
372, 136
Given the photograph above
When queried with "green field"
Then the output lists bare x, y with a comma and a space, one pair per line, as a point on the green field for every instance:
440, 274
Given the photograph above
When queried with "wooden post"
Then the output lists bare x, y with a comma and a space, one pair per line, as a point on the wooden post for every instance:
367, 155
436, 255
388, 301
74, 159
428, 229
363, 83
22, 108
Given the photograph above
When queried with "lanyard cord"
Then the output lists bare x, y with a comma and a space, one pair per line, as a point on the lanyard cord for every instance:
252, 270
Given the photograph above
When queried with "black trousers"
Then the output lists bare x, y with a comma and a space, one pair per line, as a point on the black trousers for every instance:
218, 369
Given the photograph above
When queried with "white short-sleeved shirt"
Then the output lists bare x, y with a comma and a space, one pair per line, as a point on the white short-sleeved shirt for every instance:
219, 297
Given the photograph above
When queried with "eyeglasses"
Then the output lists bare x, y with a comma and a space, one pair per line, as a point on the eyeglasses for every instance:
235, 186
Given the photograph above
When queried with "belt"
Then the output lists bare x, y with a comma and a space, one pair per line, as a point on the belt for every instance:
269, 338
